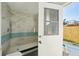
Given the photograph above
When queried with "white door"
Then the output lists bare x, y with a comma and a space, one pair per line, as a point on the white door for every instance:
50, 29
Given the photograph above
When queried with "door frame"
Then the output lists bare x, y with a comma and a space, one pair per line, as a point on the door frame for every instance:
0, 32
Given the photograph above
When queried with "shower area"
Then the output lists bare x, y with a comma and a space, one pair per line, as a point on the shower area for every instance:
19, 32
32, 28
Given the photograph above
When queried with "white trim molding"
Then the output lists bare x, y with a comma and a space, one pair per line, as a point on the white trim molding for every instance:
0, 31
66, 4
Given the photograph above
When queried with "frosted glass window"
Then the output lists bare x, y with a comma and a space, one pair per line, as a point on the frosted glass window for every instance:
51, 22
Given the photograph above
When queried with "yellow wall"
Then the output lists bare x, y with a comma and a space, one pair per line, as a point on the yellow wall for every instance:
71, 33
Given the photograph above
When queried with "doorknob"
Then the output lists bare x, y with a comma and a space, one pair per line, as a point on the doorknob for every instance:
40, 36
40, 42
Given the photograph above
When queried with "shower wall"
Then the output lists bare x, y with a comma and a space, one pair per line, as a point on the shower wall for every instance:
17, 29
24, 30
5, 28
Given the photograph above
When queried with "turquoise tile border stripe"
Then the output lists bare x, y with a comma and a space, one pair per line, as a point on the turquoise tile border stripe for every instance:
24, 34
5, 37
15, 35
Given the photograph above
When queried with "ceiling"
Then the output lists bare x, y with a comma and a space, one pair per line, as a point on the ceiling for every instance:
59, 3
24, 7
29, 7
